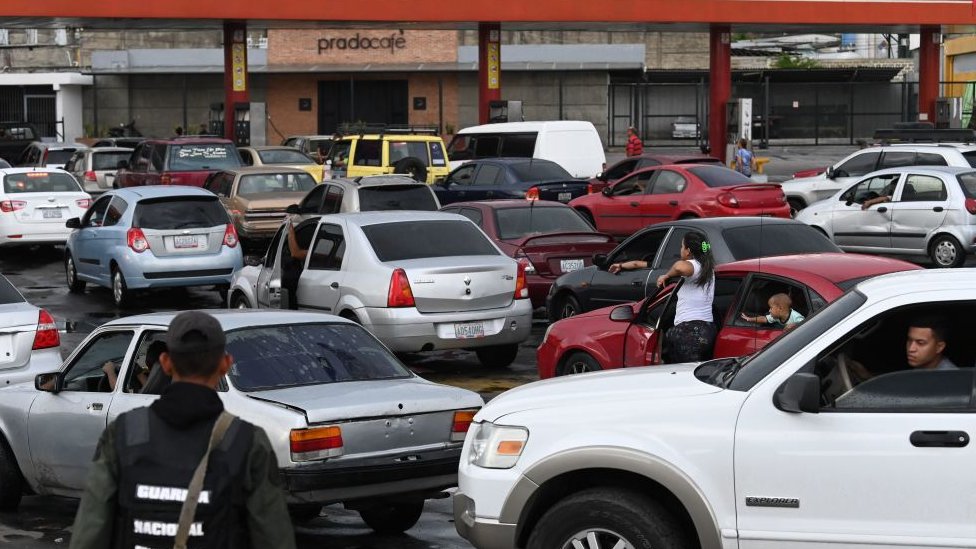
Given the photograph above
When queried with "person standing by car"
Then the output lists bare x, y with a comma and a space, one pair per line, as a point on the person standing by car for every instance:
293, 262
145, 459
745, 162
635, 145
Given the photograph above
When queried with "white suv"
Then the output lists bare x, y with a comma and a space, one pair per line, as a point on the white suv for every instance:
801, 192
825, 438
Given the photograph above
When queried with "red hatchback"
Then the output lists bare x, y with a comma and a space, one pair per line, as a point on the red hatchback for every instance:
179, 161
629, 335
549, 237
665, 193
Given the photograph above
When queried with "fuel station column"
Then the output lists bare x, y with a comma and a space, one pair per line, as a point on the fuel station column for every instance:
719, 86
489, 67
928, 72
237, 96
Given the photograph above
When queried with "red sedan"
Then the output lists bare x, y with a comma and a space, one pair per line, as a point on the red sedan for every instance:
630, 164
629, 335
666, 193
549, 237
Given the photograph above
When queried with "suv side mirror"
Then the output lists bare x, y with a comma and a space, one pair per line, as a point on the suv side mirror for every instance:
294, 209
73, 223
607, 191
52, 382
622, 313
800, 393
600, 260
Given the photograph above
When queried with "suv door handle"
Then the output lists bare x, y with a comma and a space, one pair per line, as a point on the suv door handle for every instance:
937, 209
882, 209
939, 439
334, 285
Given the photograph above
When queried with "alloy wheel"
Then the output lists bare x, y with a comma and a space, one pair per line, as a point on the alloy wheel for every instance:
597, 538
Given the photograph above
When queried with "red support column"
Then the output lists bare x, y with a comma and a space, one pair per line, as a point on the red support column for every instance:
928, 72
489, 67
719, 86
235, 72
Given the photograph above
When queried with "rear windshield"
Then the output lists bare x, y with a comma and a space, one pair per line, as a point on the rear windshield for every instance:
404, 240
719, 176
274, 357
59, 156
275, 183
967, 181
540, 170
769, 240
521, 222
9, 294
970, 156
184, 212
284, 156
397, 197
706, 161
108, 160
203, 157
40, 182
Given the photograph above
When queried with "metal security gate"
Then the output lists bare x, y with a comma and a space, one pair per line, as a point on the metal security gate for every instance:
41, 111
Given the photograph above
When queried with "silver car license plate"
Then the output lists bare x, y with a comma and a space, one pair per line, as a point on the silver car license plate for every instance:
469, 330
564, 197
52, 213
569, 265
184, 241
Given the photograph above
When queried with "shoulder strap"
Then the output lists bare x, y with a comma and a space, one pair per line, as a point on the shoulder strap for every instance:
196, 483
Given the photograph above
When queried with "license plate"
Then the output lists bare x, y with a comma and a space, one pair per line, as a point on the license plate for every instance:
52, 213
185, 242
569, 265
469, 330
564, 197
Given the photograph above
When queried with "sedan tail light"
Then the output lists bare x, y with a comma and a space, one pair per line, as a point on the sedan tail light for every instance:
166, 179
532, 193
522, 258
400, 294
83, 203
462, 421
521, 286
12, 205
90, 176
590, 189
970, 205
728, 200
230, 236
137, 240
315, 443
47, 332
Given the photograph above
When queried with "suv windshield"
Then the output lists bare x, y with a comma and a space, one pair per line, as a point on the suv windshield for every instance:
182, 212
403, 240
211, 156
284, 156
40, 182
397, 197
719, 176
58, 156
776, 239
108, 160
520, 222
274, 357
540, 170
9, 294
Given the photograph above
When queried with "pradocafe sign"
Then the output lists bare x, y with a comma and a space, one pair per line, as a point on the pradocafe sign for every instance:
332, 47
391, 43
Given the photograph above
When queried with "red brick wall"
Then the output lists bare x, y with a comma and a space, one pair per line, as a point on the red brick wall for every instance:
302, 46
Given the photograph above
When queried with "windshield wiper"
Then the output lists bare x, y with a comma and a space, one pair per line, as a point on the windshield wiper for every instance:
723, 376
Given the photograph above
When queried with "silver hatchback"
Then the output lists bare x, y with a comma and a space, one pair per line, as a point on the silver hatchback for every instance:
95, 168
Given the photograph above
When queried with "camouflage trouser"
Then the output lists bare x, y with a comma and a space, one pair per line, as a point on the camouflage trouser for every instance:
690, 341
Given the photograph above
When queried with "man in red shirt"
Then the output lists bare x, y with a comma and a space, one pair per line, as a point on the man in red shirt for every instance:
635, 146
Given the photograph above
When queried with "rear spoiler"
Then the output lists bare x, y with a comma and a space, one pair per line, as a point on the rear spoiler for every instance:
925, 135
563, 235
754, 186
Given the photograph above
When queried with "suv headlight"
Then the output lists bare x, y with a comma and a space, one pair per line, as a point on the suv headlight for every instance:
497, 446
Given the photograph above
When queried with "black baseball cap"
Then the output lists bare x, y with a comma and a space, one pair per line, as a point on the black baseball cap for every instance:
194, 332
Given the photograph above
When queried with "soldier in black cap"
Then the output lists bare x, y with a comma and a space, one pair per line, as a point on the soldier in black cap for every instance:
147, 458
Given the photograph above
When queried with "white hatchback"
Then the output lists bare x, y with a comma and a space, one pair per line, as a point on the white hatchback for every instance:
35, 203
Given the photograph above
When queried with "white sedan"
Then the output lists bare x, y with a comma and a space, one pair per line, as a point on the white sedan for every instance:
29, 339
35, 203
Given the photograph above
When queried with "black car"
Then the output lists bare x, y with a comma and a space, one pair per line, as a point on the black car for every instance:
731, 238
498, 178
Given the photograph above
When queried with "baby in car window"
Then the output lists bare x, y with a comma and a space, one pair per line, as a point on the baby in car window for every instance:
781, 313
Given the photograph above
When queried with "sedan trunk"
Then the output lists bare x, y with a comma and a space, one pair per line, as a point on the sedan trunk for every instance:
759, 195
461, 283
556, 254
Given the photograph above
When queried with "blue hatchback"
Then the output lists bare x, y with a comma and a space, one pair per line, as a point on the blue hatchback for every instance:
152, 237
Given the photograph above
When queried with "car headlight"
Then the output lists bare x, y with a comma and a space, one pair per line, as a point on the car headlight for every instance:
497, 446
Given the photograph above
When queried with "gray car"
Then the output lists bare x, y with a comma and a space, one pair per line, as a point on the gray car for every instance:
419, 281
368, 194
926, 211
347, 421
29, 338
95, 168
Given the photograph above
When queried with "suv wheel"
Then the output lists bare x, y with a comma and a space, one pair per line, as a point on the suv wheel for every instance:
75, 286
392, 517
499, 356
412, 167
607, 517
946, 252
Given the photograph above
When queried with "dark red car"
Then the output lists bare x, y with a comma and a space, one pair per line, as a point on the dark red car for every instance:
630, 164
549, 237
629, 335
666, 193
178, 161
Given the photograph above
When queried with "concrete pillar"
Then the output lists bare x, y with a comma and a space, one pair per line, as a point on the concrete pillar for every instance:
928, 72
489, 67
719, 86
236, 88
68, 107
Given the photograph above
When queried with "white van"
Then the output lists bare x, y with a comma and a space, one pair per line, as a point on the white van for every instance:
573, 144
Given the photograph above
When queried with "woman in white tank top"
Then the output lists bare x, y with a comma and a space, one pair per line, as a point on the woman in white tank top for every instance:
693, 335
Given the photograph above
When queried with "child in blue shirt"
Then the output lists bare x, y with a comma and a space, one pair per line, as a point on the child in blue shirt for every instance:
781, 313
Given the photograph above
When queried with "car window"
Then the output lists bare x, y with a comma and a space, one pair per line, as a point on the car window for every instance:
272, 252
284, 156
488, 174
896, 159
780, 239
463, 175
621, 169
643, 247
115, 210
369, 152
539, 170
930, 159
146, 375
408, 149
923, 188
275, 183
9, 294
472, 214
211, 156
859, 165
437, 157
518, 145
274, 357
184, 212
85, 373
672, 248
246, 157
40, 182
332, 203
634, 184
310, 204
719, 176
757, 296
96, 213
461, 147
397, 197
108, 160
669, 182
486, 146
70, 165
873, 187
328, 249
521, 222
213, 183
339, 154
158, 158
58, 157
405, 240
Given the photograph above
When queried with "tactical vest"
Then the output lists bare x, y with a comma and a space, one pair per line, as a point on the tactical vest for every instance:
156, 463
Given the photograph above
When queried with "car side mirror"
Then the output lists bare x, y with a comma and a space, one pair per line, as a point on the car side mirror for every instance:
293, 209
600, 260
830, 172
52, 382
602, 176
800, 393
73, 223
623, 313
607, 191
123, 165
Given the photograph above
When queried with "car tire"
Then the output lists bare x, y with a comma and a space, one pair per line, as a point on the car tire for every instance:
11, 482
239, 301
946, 252
75, 286
120, 291
612, 515
392, 517
578, 363
566, 306
304, 512
413, 167
498, 356
795, 206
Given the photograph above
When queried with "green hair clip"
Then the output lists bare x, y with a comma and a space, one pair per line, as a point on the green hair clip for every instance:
706, 246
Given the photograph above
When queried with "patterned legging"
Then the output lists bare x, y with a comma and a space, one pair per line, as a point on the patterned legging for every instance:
690, 341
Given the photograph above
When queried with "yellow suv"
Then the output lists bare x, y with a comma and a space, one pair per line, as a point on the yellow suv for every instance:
417, 152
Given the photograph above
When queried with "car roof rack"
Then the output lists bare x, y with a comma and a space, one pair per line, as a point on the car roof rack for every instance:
362, 129
925, 135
